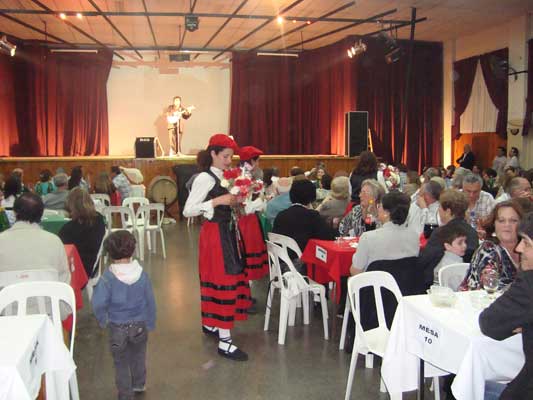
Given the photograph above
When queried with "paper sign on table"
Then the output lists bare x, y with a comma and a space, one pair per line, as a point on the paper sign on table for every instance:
321, 254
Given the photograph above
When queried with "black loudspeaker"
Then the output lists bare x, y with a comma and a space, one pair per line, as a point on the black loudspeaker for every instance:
145, 147
356, 132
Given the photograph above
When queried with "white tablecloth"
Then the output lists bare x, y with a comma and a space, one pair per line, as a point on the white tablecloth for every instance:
29, 347
449, 340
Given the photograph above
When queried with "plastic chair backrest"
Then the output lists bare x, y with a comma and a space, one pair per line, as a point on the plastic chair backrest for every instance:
286, 242
274, 252
282, 255
144, 212
103, 197
126, 214
377, 280
49, 213
29, 275
131, 201
452, 275
57, 291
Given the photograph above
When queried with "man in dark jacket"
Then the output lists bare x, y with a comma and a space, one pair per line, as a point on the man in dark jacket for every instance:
467, 160
513, 312
453, 206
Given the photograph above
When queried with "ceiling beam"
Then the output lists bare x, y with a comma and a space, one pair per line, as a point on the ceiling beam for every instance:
37, 2
193, 6
226, 22
151, 28
392, 28
268, 21
374, 18
113, 26
33, 28
183, 14
299, 28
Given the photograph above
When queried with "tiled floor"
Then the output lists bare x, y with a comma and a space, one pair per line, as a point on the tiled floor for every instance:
183, 363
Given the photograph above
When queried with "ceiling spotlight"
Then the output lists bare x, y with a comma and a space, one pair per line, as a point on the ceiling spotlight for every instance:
393, 52
8, 46
358, 48
280, 19
393, 56
79, 15
293, 21
63, 16
308, 22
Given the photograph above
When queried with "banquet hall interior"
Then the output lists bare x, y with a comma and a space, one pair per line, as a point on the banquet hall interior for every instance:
96, 94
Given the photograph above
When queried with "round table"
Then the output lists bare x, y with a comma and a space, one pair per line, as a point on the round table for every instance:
54, 223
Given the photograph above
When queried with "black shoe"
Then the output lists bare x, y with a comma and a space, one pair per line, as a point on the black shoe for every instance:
252, 310
210, 332
236, 354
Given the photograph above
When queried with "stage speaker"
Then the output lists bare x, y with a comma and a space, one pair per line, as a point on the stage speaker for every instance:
145, 147
356, 132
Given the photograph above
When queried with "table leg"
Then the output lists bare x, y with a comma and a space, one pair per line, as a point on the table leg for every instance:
421, 380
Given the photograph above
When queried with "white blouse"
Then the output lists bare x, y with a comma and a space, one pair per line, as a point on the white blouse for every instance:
202, 185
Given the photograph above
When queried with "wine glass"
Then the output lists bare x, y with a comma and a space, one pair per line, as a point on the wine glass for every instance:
491, 281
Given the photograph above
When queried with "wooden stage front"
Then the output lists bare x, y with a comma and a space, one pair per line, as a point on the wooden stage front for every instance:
161, 166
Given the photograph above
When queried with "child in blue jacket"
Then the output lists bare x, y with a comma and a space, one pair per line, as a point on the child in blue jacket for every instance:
123, 301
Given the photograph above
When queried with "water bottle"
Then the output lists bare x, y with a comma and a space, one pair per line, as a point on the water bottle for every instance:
473, 219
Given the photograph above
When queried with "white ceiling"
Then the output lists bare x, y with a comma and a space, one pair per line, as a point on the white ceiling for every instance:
446, 19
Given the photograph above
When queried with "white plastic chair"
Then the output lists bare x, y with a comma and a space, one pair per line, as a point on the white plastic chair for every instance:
30, 275
287, 243
373, 341
452, 275
292, 285
151, 229
57, 292
126, 214
98, 266
103, 197
50, 213
131, 202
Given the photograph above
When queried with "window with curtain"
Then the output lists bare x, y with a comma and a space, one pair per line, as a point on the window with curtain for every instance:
481, 115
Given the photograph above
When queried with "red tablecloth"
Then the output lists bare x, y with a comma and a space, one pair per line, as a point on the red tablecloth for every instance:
332, 258
78, 279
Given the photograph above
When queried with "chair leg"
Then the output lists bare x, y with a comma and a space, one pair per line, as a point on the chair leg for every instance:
324, 306
382, 387
140, 235
305, 306
436, 388
292, 312
89, 290
73, 385
369, 360
149, 242
271, 292
283, 319
351, 374
163, 246
345, 323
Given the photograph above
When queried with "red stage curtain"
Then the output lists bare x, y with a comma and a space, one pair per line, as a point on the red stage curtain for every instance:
297, 106
381, 90
497, 86
464, 72
8, 116
529, 99
60, 103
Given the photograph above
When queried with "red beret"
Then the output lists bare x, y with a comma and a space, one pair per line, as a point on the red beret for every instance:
223, 140
248, 152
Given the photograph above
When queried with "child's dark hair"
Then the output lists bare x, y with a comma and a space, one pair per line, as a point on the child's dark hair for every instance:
204, 159
120, 244
448, 233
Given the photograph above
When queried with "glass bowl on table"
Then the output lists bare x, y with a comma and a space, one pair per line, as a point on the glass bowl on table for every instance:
441, 296
490, 280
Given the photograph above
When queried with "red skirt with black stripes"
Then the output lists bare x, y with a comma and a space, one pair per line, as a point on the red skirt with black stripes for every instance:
224, 298
254, 247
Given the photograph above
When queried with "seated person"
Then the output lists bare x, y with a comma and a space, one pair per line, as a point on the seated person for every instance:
45, 184
393, 240
336, 201
85, 230
26, 246
452, 209
490, 181
363, 216
497, 252
12, 188
453, 239
424, 212
299, 221
480, 203
281, 201
511, 313
57, 200
121, 182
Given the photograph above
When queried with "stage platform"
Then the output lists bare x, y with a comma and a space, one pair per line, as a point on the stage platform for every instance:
161, 166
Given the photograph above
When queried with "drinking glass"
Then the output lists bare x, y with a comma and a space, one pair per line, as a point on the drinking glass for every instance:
490, 281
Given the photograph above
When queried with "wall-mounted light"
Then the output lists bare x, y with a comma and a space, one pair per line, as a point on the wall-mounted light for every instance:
8, 46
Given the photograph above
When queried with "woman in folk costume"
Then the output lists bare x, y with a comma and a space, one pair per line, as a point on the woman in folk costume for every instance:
225, 293
252, 235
